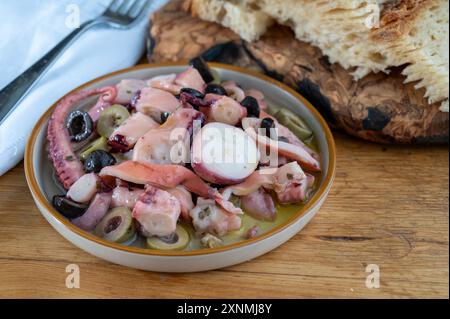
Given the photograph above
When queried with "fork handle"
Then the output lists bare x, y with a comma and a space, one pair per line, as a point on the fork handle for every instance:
14, 92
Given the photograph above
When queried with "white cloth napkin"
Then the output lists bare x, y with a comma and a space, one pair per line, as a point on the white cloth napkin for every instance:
29, 29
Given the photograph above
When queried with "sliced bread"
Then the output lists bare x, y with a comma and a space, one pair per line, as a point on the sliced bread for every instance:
248, 23
410, 32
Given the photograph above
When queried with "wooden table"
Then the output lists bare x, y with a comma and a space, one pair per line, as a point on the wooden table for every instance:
388, 206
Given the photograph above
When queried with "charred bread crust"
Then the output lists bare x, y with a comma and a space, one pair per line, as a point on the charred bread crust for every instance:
377, 108
175, 35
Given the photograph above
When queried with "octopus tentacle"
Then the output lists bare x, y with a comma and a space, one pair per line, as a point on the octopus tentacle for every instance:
289, 182
292, 138
106, 99
163, 176
67, 166
166, 177
298, 152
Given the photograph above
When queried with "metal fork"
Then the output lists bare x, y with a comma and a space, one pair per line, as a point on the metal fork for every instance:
119, 15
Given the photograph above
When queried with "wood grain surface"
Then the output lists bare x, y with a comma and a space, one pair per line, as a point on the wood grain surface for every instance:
388, 206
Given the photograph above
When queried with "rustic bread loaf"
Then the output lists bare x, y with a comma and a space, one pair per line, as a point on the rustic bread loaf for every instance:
379, 107
416, 33
410, 32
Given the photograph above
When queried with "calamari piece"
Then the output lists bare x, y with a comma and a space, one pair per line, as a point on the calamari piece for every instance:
96, 211
125, 196
84, 188
165, 82
127, 134
153, 102
234, 91
167, 177
296, 192
168, 143
286, 175
192, 79
126, 89
259, 205
106, 99
185, 199
67, 166
207, 217
291, 151
157, 211
226, 110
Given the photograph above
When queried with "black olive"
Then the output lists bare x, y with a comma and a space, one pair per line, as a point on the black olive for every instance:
252, 106
79, 125
269, 125
67, 207
193, 92
97, 160
164, 117
202, 67
216, 89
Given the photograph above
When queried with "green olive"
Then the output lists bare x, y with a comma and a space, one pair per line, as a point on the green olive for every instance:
111, 118
273, 109
99, 144
117, 226
176, 241
294, 123
286, 113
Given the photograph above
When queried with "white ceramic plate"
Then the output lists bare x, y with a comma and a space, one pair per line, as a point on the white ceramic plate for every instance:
42, 184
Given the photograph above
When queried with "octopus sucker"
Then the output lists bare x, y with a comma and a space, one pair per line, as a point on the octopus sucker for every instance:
67, 165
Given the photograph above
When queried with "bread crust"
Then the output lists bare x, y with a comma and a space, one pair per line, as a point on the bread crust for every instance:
398, 18
404, 37
192, 7
198, 36
379, 107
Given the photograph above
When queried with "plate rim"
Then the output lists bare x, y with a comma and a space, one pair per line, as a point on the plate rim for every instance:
317, 197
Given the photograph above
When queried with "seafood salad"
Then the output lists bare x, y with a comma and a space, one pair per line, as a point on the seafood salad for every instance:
179, 161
